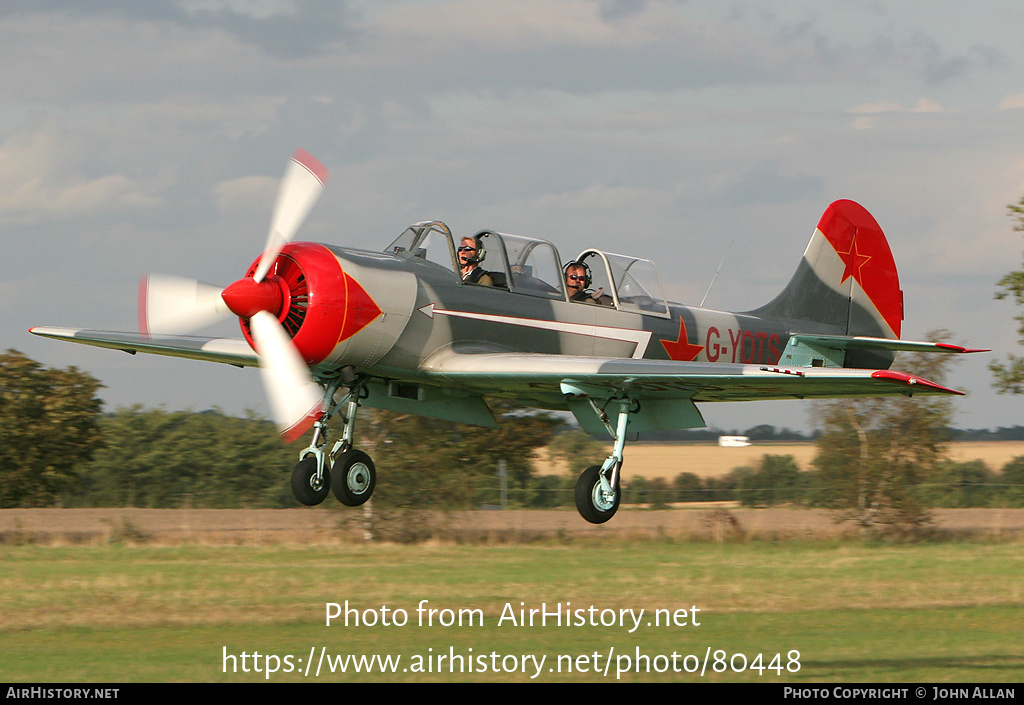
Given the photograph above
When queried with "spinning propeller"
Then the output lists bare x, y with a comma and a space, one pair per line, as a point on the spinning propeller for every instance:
175, 306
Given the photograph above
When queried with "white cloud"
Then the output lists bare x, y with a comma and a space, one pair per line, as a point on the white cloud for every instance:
245, 194
601, 197
256, 9
505, 25
234, 116
869, 110
42, 177
924, 105
1012, 101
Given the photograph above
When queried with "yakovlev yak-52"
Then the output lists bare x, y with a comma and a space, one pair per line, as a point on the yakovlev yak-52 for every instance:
434, 324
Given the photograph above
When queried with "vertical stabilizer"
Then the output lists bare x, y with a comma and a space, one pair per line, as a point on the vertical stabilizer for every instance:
846, 281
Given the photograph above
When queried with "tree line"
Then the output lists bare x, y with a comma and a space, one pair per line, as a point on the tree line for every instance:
880, 460
777, 480
59, 449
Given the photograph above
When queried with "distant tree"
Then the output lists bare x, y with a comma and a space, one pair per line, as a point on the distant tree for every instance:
873, 453
1003, 433
578, 449
689, 488
777, 480
48, 430
1010, 376
965, 484
550, 491
725, 488
422, 463
520, 431
431, 463
643, 490
1012, 480
159, 458
655, 491
635, 490
764, 432
659, 494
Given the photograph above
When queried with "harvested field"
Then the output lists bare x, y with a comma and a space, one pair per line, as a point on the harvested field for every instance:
329, 524
707, 460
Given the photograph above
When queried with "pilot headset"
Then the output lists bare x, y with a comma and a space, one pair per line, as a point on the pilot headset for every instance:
586, 272
481, 253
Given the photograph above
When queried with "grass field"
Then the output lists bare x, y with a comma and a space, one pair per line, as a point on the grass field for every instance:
855, 613
79, 602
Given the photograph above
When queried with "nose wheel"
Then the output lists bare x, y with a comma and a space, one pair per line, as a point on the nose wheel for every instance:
309, 486
353, 477
348, 472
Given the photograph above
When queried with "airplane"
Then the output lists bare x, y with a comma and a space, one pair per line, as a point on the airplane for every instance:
334, 329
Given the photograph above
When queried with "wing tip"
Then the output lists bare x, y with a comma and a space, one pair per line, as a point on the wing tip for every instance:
144, 305
910, 379
48, 331
960, 348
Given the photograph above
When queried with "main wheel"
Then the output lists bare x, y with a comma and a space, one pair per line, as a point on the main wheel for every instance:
354, 477
594, 504
306, 486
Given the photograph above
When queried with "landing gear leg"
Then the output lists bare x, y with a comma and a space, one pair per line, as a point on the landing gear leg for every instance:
350, 473
597, 491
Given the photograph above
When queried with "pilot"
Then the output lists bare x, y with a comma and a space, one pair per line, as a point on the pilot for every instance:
471, 253
577, 279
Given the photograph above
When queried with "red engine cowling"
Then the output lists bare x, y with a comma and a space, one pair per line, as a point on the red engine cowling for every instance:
314, 299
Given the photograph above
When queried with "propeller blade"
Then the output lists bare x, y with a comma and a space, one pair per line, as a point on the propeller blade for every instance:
303, 182
296, 401
174, 305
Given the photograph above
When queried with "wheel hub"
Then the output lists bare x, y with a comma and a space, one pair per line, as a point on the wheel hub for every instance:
603, 501
316, 483
358, 479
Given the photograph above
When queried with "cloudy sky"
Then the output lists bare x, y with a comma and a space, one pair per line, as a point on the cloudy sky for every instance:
138, 137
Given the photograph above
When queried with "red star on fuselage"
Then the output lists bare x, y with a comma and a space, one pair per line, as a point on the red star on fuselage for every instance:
680, 348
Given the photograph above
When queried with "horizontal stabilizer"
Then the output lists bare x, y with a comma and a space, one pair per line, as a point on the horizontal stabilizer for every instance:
858, 342
805, 350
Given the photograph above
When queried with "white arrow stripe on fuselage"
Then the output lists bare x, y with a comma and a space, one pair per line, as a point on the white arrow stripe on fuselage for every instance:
627, 335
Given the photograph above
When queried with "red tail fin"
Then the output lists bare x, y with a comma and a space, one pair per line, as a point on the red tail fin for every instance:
868, 266
847, 280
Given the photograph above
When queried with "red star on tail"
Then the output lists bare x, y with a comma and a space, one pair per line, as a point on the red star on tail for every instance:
853, 260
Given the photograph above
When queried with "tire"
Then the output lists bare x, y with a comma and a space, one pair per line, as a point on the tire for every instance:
305, 486
591, 501
354, 477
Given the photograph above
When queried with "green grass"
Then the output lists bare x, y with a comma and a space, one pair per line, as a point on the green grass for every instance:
941, 612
